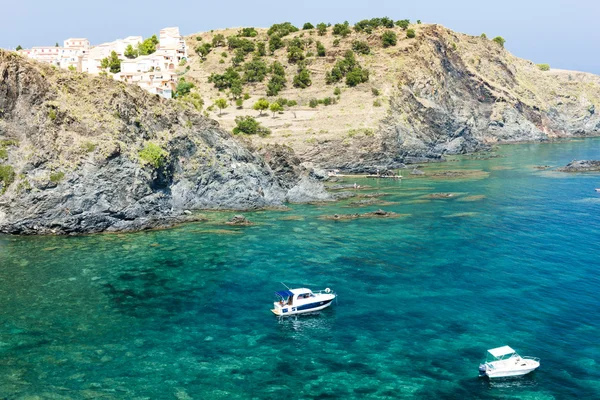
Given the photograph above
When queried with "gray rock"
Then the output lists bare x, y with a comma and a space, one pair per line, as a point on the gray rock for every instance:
581, 166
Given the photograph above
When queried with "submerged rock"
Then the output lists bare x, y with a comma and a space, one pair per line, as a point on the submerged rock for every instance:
238, 220
374, 214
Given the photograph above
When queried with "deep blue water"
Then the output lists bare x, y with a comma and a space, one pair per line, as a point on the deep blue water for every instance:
512, 258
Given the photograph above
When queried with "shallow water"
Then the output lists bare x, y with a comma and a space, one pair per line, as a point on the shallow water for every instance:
511, 258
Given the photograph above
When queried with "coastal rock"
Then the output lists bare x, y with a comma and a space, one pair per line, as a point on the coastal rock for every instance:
239, 220
374, 214
82, 154
581, 166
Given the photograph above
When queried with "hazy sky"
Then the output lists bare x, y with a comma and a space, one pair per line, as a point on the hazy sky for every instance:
565, 34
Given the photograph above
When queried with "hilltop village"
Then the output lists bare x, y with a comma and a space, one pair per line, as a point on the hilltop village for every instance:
150, 63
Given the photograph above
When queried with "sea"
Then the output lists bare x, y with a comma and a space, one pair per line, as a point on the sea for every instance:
486, 250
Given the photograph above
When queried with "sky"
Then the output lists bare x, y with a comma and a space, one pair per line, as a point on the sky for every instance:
564, 34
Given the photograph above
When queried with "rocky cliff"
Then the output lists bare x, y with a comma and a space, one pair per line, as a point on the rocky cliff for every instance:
441, 92
82, 154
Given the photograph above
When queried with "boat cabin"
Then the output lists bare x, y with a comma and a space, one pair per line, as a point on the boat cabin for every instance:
294, 296
502, 353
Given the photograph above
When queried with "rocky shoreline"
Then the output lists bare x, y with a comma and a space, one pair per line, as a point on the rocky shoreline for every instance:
581, 166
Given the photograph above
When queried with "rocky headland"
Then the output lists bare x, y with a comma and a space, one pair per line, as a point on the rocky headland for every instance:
81, 154
581, 166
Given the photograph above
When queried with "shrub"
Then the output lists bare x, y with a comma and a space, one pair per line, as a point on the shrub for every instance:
321, 49
327, 101
282, 29
336, 42
321, 28
246, 96
203, 49
312, 103
238, 57
410, 33
260, 49
367, 25
52, 114
255, 70
247, 32
356, 76
226, 80
337, 91
57, 176
377, 103
218, 40
239, 103
500, 40
375, 91
403, 23
153, 155
148, 46
234, 42
275, 43
7, 176
544, 67
389, 38
295, 52
224, 54
483, 35
292, 103
183, 88
221, 61
221, 104
198, 38
261, 105
418, 22
308, 25
282, 101
249, 126
302, 80
361, 47
342, 29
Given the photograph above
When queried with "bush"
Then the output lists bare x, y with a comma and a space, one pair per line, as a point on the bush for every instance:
302, 80
239, 103
377, 103
337, 91
292, 103
246, 96
295, 52
275, 108
7, 176
183, 88
403, 23
321, 28
249, 126
203, 49
367, 25
375, 91
321, 49
361, 47
389, 38
152, 154
255, 70
500, 40
247, 32
308, 25
410, 33
238, 57
483, 35
282, 101
198, 38
56, 177
336, 43
234, 42
218, 40
260, 49
312, 103
221, 104
356, 76
275, 43
544, 67
282, 29
342, 29
226, 80
327, 101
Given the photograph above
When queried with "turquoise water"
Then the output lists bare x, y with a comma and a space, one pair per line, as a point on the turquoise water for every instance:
511, 258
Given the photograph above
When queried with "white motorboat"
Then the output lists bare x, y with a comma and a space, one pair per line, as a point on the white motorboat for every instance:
303, 300
506, 362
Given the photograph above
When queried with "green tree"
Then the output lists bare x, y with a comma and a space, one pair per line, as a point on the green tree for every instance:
302, 80
218, 40
278, 81
282, 29
275, 43
130, 52
500, 40
410, 33
260, 49
238, 57
226, 80
153, 154
321, 28
483, 35
255, 70
418, 22
183, 88
356, 76
19, 48
112, 63
72, 68
389, 38
403, 23
275, 108
148, 46
261, 105
222, 104
248, 32
308, 25
239, 103
203, 50
342, 29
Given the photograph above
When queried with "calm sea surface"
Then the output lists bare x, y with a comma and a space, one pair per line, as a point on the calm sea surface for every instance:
512, 258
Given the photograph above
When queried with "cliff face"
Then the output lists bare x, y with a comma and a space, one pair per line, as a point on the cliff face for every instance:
81, 154
440, 93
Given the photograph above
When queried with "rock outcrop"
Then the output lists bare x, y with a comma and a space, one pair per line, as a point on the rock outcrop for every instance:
80, 154
581, 166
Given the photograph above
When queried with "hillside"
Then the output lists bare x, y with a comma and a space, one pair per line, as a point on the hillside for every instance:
89, 154
440, 92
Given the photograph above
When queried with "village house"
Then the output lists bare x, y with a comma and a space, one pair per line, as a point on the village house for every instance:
154, 73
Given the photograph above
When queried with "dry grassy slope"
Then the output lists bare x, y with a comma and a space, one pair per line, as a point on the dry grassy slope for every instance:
434, 80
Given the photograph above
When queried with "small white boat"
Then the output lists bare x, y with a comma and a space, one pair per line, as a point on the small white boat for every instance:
506, 362
303, 300
598, 190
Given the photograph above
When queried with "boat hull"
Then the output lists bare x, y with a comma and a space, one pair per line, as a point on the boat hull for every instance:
507, 374
303, 308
